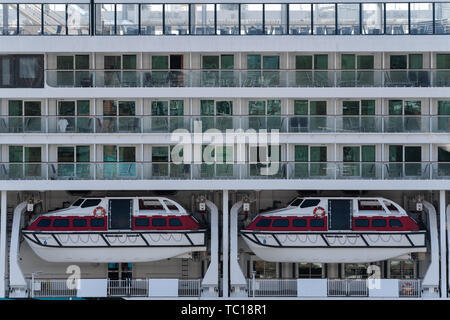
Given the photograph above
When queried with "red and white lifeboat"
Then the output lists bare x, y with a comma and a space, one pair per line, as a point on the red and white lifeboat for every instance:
335, 230
115, 230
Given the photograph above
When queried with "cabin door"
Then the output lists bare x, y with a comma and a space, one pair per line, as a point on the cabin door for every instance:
340, 214
120, 213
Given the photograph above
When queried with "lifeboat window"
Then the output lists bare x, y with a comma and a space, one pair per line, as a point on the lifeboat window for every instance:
369, 205
171, 206
296, 202
150, 205
61, 223
299, 223
77, 203
390, 206
142, 222
97, 222
395, 223
316, 223
361, 223
379, 223
175, 222
44, 223
310, 203
280, 223
90, 203
79, 223
264, 223
159, 222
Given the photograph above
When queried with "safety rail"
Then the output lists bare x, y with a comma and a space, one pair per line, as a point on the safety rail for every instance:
128, 288
202, 123
272, 287
189, 287
409, 288
278, 78
347, 288
51, 288
226, 171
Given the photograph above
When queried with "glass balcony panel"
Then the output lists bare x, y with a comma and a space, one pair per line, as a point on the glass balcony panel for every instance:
202, 19
324, 17
397, 18
227, 19
30, 19
8, 12
78, 16
176, 19
300, 18
348, 18
54, 19
252, 19
372, 18
421, 18
275, 18
105, 21
442, 17
152, 19
127, 17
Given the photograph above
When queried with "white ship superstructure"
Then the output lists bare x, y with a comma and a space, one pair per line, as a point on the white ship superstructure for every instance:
136, 134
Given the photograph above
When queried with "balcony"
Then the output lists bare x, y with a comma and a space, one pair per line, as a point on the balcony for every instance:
283, 123
247, 78
226, 171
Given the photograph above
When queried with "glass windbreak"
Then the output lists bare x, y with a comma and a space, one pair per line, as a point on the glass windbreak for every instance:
152, 19
421, 15
397, 18
442, 18
300, 18
202, 19
105, 21
176, 19
30, 19
54, 19
78, 19
348, 18
127, 17
372, 18
251, 19
275, 18
310, 270
324, 17
227, 19
8, 12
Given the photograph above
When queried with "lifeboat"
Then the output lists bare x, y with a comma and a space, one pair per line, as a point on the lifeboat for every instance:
334, 230
115, 230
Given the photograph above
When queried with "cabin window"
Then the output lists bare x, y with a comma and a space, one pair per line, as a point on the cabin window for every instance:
159, 222
369, 205
44, 223
79, 223
280, 223
90, 203
362, 223
97, 222
395, 223
170, 206
175, 222
310, 203
77, 203
150, 205
61, 223
299, 223
390, 206
142, 222
316, 223
263, 223
377, 223
296, 202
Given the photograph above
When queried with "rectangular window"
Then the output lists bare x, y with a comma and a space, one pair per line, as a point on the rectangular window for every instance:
397, 18
8, 14
105, 19
299, 18
54, 19
275, 18
252, 19
176, 19
202, 19
324, 18
348, 18
442, 17
127, 16
78, 16
152, 19
227, 19
30, 21
421, 18
372, 18
443, 61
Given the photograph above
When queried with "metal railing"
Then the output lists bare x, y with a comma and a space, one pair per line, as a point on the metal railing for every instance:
347, 288
201, 123
189, 287
51, 288
410, 288
226, 171
272, 287
247, 78
128, 288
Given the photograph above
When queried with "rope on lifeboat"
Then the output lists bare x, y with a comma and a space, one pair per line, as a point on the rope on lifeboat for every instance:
170, 236
382, 237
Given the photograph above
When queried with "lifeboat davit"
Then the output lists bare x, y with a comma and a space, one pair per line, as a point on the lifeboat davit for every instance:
115, 230
335, 230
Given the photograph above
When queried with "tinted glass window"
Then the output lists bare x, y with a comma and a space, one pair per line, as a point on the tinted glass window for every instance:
44, 223
263, 223
395, 223
296, 202
78, 202
97, 222
316, 223
361, 222
310, 203
61, 223
90, 203
142, 222
175, 222
379, 223
299, 223
159, 222
79, 223
280, 223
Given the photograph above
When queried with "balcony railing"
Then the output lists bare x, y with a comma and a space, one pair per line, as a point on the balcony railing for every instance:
248, 78
195, 123
272, 287
227, 171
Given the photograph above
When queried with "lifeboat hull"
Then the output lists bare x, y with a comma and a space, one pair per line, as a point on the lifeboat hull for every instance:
103, 247
328, 247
